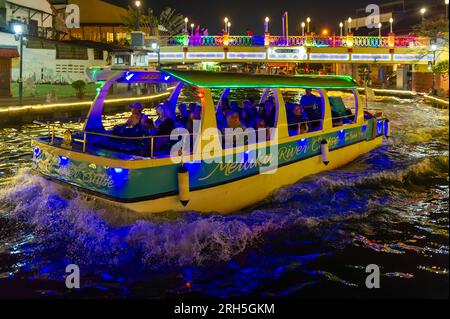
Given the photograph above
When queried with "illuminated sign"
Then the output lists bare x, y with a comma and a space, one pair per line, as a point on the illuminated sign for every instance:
329, 56
167, 56
413, 57
205, 56
287, 54
246, 55
371, 57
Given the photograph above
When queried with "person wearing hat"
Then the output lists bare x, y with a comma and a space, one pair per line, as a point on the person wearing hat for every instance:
136, 123
137, 118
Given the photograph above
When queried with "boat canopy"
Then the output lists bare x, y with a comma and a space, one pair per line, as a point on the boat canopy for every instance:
207, 79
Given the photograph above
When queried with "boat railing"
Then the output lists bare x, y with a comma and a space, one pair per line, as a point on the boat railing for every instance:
53, 127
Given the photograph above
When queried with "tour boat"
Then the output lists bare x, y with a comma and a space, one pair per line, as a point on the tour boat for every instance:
203, 179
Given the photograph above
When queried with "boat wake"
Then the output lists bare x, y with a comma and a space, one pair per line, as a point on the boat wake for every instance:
86, 231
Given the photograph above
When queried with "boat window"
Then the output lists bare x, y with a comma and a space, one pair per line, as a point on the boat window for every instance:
343, 107
146, 132
304, 110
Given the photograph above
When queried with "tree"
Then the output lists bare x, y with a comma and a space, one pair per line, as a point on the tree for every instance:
130, 20
437, 31
168, 21
364, 73
80, 88
172, 21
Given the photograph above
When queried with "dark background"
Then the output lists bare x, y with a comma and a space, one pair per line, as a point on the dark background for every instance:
251, 13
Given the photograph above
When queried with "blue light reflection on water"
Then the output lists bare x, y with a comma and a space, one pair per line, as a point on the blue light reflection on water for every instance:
297, 243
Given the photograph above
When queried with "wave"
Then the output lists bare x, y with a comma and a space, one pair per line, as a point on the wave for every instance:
79, 228
86, 231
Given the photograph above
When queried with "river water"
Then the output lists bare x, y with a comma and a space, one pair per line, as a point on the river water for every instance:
311, 239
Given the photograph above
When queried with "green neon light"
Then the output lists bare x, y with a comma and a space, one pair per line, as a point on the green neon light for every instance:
202, 84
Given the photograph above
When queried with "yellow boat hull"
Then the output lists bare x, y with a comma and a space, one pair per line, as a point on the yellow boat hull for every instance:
237, 195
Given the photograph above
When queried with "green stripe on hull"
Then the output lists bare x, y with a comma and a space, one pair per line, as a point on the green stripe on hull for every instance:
129, 184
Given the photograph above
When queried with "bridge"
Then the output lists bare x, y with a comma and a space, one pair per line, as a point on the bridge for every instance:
390, 49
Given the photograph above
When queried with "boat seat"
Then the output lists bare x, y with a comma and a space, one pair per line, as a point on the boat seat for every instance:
338, 105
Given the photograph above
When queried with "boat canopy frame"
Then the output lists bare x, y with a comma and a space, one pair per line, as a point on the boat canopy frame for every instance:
204, 81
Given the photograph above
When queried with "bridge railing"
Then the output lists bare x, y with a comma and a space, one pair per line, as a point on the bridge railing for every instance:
311, 41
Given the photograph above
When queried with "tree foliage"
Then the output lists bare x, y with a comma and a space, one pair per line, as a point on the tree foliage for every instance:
438, 32
169, 21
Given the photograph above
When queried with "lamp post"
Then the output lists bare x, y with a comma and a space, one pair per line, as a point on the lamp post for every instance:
349, 25
446, 9
192, 29
391, 21
303, 28
156, 48
341, 25
229, 27
18, 30
186, 20
422, 12
226, 24
379, 29
266, 25
434, 49
138, 20
308, 20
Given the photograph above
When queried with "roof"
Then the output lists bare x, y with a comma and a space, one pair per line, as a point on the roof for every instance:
208, 79
8, 52
239, 80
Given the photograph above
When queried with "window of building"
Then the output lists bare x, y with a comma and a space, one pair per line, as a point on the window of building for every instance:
65, 52
98, 54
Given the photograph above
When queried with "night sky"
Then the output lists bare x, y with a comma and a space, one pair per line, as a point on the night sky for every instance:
251, 13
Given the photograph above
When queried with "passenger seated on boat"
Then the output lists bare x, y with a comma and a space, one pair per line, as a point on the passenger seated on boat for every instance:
234, 106
191, 107
162, 143
298, 121
269, 113
135, 124
234, 121
196, 115
221, 113
311, 104
247, 117
160, 113
183, 115
260, 124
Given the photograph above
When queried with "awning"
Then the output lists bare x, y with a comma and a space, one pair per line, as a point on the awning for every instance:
9, 52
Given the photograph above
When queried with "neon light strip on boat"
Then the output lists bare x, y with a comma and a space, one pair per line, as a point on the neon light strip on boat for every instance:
87, 103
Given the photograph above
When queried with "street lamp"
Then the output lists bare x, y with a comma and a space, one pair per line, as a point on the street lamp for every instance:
229, 27
434, 49
379, 29
226, 24
155, 48
303, 28
341, 25
18, 31
446, 9
266, 24
192, 29
422, 12
324, 32
349, 25
391, 21
138, 20
308, 20
186, 20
